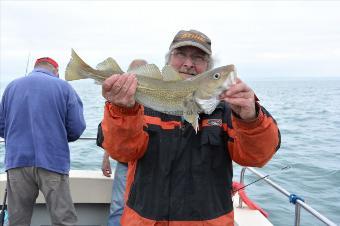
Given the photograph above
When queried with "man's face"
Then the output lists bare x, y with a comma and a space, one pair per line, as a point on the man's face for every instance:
189, 61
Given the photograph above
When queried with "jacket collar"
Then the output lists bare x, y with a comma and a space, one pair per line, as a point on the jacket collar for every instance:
43, 70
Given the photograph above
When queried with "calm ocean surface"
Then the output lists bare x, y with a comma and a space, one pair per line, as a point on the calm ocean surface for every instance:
308, 114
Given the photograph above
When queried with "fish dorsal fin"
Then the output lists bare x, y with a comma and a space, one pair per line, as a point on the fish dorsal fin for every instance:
109, 65
170, 74
148, 70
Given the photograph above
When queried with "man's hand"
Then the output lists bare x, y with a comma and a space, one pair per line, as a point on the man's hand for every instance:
120, 89
241, 99
106, 167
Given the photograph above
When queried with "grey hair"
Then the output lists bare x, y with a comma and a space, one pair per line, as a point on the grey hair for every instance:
47, 66
211, 60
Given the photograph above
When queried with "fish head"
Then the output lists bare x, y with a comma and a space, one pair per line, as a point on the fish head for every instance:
212, 84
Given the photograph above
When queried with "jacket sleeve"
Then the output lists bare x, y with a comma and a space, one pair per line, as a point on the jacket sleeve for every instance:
253, 143
75, 122
2, 113
122, 128
2, 119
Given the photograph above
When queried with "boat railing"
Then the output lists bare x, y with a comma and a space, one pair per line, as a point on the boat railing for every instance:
297, 201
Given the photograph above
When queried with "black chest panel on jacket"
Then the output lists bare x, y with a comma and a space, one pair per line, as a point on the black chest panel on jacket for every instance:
183, 175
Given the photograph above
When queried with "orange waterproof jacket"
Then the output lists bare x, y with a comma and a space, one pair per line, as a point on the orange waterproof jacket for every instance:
177, 177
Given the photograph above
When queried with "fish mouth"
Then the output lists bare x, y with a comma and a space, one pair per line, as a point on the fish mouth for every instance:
231, 80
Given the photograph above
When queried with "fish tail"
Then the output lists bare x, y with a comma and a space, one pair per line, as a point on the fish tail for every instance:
77, 69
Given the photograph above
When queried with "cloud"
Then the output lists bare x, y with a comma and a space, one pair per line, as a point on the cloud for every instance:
252, 35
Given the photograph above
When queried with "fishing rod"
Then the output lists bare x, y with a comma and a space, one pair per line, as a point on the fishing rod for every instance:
81, 138
261, 178
28, 60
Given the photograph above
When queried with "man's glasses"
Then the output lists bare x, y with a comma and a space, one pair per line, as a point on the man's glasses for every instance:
197, 59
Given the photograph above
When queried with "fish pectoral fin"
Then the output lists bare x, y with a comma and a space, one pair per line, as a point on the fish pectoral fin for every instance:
191, 118
190, 111
109, 65
170, 74
148, 70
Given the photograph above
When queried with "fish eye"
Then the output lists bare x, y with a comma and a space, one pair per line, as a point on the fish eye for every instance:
217, 76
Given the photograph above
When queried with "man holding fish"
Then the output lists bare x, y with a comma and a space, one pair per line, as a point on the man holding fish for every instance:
181, 175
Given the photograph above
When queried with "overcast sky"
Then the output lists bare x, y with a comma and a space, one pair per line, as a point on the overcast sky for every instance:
262, 38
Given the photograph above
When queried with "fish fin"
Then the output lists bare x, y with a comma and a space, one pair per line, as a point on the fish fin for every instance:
192, 119
109, 65
148, 70
71, 71
77, 69
170, 74
191, 110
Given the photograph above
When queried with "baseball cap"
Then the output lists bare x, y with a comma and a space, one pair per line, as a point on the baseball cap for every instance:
191, 38
47, 60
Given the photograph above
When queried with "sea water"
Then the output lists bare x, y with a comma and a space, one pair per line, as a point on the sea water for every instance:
307, 111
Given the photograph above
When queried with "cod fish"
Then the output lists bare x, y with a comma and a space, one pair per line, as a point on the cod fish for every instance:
164, 91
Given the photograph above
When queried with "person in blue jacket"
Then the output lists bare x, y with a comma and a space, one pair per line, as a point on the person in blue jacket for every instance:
39, 115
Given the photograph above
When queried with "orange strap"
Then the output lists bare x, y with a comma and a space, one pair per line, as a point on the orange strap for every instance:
162, 124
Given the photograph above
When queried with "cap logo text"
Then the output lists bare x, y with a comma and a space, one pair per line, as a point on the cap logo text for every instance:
192, 36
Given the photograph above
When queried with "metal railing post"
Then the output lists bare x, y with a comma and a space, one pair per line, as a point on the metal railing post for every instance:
242, 182
297, 214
